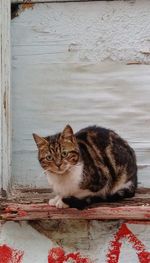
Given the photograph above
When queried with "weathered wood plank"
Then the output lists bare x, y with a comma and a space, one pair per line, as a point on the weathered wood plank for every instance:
5, 134
137, 208
37, 212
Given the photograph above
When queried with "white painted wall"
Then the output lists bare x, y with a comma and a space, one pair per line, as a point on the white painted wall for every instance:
69, 66
83, 32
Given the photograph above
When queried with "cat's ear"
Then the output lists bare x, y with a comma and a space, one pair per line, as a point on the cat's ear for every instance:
67, 133
40, 141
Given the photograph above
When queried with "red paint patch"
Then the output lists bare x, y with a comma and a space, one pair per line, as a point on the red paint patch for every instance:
76, 258
8, 210
114, 251
18, 211
57, 255
144, 257
9, 255
22, 213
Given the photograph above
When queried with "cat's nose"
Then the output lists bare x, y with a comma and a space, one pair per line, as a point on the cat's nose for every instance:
58, 163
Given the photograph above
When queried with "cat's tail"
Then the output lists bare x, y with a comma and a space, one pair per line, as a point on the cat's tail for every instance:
83, 203
80, 204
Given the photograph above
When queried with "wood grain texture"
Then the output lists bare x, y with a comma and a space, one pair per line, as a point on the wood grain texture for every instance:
5, 134
32, 208
59, 77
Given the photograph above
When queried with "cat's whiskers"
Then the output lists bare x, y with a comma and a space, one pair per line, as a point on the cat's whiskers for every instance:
45, 171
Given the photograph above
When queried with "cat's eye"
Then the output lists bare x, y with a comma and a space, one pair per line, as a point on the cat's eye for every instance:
49, 158
64, 154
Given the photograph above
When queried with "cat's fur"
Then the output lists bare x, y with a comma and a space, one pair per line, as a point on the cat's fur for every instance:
93, 165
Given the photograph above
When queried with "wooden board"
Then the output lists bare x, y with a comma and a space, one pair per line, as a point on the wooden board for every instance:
5, 126
33, 206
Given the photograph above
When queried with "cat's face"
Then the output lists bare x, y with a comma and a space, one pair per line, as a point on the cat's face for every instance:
58, 153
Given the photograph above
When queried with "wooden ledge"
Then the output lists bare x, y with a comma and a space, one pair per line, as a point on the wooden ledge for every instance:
31, 206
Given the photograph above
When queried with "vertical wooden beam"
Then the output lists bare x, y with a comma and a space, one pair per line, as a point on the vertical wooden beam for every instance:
5, 136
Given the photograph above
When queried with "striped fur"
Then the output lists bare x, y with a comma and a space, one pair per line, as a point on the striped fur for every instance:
93, 165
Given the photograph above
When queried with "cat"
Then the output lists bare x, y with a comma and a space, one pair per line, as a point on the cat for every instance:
95, 164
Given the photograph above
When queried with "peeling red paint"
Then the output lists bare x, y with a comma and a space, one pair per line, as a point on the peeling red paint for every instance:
10, 255
144, 257
18, 211
22, 213
76, 257
57, 255
8, 210
114, 251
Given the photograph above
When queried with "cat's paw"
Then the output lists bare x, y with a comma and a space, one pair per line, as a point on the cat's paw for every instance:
74, 202
53, 201
61, 204
57, 202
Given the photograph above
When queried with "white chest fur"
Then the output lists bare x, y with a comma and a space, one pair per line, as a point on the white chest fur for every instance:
67, 184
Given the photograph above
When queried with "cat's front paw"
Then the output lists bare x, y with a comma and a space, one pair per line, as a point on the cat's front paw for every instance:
74, 202
57, 202
53, 201
61, 204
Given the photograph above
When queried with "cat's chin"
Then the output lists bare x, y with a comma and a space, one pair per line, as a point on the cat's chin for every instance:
58, 172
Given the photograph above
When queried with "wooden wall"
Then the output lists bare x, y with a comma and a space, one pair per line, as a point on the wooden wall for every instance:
79, 63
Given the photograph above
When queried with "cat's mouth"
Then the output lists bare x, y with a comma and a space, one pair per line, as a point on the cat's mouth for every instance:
58, 171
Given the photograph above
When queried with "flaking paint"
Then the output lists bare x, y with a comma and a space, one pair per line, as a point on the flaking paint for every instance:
57, 255
115, 247
10, 255
78, 241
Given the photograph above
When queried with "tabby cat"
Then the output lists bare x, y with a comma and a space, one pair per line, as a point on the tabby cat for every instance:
92, 165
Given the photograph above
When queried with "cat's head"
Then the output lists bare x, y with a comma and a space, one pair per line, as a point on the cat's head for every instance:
58, 153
